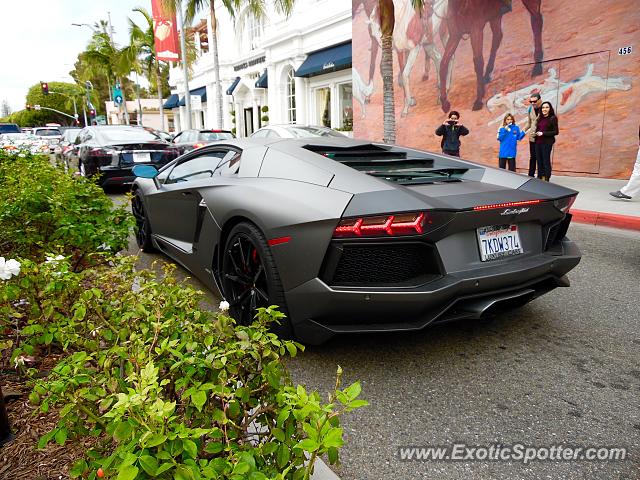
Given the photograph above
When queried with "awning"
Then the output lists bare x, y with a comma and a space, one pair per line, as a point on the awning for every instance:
263, 81
233, 86
172, 101
327, 60
201, 92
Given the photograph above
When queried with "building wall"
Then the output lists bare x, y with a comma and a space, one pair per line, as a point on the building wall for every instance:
150, 114
284, 44
593, 88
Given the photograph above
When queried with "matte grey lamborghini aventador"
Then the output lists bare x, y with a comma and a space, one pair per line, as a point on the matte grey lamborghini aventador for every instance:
353, 236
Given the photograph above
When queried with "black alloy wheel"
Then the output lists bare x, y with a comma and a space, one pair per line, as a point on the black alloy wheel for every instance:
250, 279
142, 229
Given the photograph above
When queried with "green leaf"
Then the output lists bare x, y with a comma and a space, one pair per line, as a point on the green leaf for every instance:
353, 390
149, 464
358, 403
61, 436
283, 455
155, 440
78, 468
214, 447
282, 416
307, 445
199, 398
190, 448
163, 468
333, 438
183, 473
278, 434
128, 472
333, 455
123, 431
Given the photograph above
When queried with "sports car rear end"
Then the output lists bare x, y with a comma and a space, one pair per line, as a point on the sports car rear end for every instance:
437, 240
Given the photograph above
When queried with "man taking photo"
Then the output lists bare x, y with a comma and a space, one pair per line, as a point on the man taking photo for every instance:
451, 130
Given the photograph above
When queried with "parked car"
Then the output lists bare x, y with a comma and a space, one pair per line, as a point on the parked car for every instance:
19, 142
111, 151
9, 128
295, 131
353, 236
49, 135
188, 140
65, 150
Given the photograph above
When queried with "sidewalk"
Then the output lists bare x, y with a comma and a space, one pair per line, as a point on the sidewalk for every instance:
595, 206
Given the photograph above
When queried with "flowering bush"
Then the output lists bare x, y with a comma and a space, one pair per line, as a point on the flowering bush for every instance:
42, 209
166, 389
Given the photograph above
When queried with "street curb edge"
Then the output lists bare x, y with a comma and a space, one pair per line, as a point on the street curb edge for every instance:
602, 219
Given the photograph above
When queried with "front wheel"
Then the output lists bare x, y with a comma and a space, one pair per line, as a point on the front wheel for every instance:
250, 279
142, 228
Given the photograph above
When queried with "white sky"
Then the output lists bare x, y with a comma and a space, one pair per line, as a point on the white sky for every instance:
38, 42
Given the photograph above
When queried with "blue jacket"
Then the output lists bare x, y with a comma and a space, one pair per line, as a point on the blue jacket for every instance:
509, 141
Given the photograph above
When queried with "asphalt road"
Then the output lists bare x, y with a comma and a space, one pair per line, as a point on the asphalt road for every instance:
565, 369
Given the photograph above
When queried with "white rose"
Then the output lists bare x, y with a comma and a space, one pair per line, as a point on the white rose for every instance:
224, 306
9, 268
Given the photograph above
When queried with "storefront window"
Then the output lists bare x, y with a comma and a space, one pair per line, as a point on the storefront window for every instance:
291, 97
323, 106
255, 31
345, 92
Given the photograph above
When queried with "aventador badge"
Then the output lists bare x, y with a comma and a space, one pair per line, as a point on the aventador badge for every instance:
515, 211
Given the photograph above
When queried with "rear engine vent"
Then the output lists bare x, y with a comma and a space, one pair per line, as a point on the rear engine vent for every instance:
388, 264
557, 232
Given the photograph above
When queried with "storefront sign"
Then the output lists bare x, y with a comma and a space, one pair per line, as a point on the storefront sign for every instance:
249, 63
328, 65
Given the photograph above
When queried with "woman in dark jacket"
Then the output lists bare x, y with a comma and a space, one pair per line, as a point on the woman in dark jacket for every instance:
546, 131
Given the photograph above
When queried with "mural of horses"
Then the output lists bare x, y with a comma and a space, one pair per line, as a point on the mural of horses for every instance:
469, 17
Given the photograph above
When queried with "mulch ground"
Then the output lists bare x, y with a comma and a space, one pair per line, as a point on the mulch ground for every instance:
21, 459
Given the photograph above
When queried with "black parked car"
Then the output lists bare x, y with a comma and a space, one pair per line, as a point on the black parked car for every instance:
188, 140
112, 150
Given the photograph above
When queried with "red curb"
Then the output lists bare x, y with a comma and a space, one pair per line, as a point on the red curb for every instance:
602, 219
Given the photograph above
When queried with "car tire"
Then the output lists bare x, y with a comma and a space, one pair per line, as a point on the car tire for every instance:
142, 228
250, 277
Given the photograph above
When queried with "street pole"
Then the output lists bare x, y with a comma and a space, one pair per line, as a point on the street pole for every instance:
84, 112
139, 104
185, 70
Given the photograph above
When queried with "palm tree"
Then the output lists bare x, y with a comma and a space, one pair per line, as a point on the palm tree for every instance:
115, 62
256, 7
386, 14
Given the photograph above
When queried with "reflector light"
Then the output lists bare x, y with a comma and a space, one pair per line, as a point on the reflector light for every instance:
400, 224
198, 145
507, 205
278, 241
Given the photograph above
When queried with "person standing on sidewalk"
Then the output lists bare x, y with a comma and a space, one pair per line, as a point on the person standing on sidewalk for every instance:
632, 188
451, 130
532, 119
546, 131
509, 135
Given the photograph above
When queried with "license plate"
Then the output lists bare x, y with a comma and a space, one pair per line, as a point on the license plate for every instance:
139, 157
499, 241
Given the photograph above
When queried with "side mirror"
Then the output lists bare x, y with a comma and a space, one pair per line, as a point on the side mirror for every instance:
145, 171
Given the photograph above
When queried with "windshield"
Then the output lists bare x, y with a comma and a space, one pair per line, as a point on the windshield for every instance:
9, 128
47, 132
212, 136
129, 134
71, 134
305, 132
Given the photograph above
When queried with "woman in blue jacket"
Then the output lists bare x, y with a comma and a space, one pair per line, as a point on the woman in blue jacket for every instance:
509, 135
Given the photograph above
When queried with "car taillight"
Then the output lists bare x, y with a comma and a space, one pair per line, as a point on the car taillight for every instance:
565, 204
507, 205
99, 152
198, 145
383, 225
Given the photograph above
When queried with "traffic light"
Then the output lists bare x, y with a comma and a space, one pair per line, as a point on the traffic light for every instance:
45, 88
28, 106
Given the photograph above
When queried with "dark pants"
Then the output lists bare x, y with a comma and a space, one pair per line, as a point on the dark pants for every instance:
511, 161
454, 153
532, 159
543, 157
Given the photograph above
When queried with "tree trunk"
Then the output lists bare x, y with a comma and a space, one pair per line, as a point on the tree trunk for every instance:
159, 88
216, 64
387, 20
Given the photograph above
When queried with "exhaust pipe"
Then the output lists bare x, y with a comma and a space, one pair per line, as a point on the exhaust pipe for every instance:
489, 306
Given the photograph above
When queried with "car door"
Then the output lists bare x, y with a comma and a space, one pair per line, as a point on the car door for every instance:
174, 208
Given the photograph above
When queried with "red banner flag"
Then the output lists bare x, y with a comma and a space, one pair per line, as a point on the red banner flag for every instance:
165, 30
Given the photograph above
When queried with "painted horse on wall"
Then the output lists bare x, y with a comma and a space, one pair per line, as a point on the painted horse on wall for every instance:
469, 17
